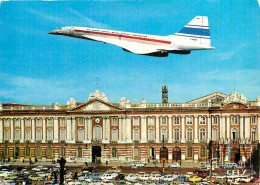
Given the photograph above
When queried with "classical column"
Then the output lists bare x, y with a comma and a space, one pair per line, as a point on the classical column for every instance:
108, 128
73, 129
43, 129
170, 129
89, 128
143, 130
86, 129
123, 128
247, 126
104, 128
196, 140
209, 128
12, 129
182, 129
68, 129
228, 126
157, 129
241, 121
120, 130
33, 129
258, 128
1, 130
56, 130
128, 129
222, 127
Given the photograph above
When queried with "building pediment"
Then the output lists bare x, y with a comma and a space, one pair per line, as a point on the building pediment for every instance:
96, 105
235, 105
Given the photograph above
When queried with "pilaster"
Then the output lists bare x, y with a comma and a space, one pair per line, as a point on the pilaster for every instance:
1, 130
182, 129
33, 130
73, 129
128, 129
170, 128
258, 127
120, 130
12, 130
43, 128
228, 126
247, 126
22, 130
241, 121
209, 128
68, 129
56, 130
143, 130
196, 140
157, 129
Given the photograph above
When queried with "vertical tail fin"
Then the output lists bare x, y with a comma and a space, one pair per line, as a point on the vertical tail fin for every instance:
197, 28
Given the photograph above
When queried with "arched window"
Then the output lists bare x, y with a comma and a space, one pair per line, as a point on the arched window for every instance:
164, 121
27, 152
6, 151
113, 152
176, 134
189, 152
202, 134
49, 152
79, 152
97, 133
215, 120
136, 152
215, 134
202, 120
49, 134
164, 134
203, 152
151, 135
189, 135
38, 152
253, 134
114, 134
176, 120
63, 134
234, 134
17, 135
7, 134
151, 121
62, 151
28, 135
136, 121
38, 134
80, 134
136, 134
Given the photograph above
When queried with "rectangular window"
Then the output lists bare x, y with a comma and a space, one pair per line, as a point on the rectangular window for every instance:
49, 122
136, 135
253, 120
17, 135
62, 122
38, 122
136, 121
80, 121
234, 120
176, 120
17, 123
114, 135
189, 120
151, 121
114, 121
215, 120
28, 122
151, 134
38, 134
164, 121
177, 134
7, 122
164, 134
202, 120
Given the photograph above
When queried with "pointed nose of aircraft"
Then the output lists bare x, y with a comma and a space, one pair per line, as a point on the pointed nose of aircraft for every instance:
55, 32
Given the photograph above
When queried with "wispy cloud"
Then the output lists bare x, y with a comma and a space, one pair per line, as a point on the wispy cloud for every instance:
88, 21
222, 56
46, 16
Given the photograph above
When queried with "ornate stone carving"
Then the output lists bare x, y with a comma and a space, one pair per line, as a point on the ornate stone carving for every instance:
235, 97
97, 95
72, 103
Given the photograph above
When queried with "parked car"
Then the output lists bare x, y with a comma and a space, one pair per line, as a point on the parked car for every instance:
174, 165
229, 165
202, 174
155, 177
246, 179
220, 180
168, 178
131, 177
195, 178
136, 165
189, 174
182, 178
35, 177
115, 169
120, 176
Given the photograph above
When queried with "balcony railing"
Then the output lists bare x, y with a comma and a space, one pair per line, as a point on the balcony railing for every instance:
96, 140
113, 141
136, 141
151, 141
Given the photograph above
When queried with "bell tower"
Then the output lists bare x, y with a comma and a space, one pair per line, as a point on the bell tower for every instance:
164, 93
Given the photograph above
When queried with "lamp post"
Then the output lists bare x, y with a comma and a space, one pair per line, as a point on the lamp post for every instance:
62, 165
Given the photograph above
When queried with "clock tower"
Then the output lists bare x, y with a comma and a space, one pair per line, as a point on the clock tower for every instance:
164, 93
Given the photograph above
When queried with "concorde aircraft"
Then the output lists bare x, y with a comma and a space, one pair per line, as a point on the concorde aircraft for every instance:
194, 36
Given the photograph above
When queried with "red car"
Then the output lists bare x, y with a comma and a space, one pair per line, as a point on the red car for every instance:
202, 174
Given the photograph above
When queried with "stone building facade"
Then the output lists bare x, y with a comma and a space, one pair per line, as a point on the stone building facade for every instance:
125, 132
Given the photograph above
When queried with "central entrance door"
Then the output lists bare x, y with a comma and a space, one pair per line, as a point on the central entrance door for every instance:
96, 154
164, 155
176, 155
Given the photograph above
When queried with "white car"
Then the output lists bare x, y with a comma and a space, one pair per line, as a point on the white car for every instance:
131, 177
108, 176
245, 179
155, 177
136, 165
144, 177
167, 178
174, 165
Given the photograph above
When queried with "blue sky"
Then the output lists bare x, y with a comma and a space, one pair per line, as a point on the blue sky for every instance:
38, 68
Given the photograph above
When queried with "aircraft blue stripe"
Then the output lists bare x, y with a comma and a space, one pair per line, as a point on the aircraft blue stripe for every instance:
195, 31
192, 36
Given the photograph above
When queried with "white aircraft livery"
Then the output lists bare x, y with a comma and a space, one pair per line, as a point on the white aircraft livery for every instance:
194, 36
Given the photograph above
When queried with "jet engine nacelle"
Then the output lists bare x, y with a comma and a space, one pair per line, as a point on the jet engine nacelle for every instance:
159, 54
